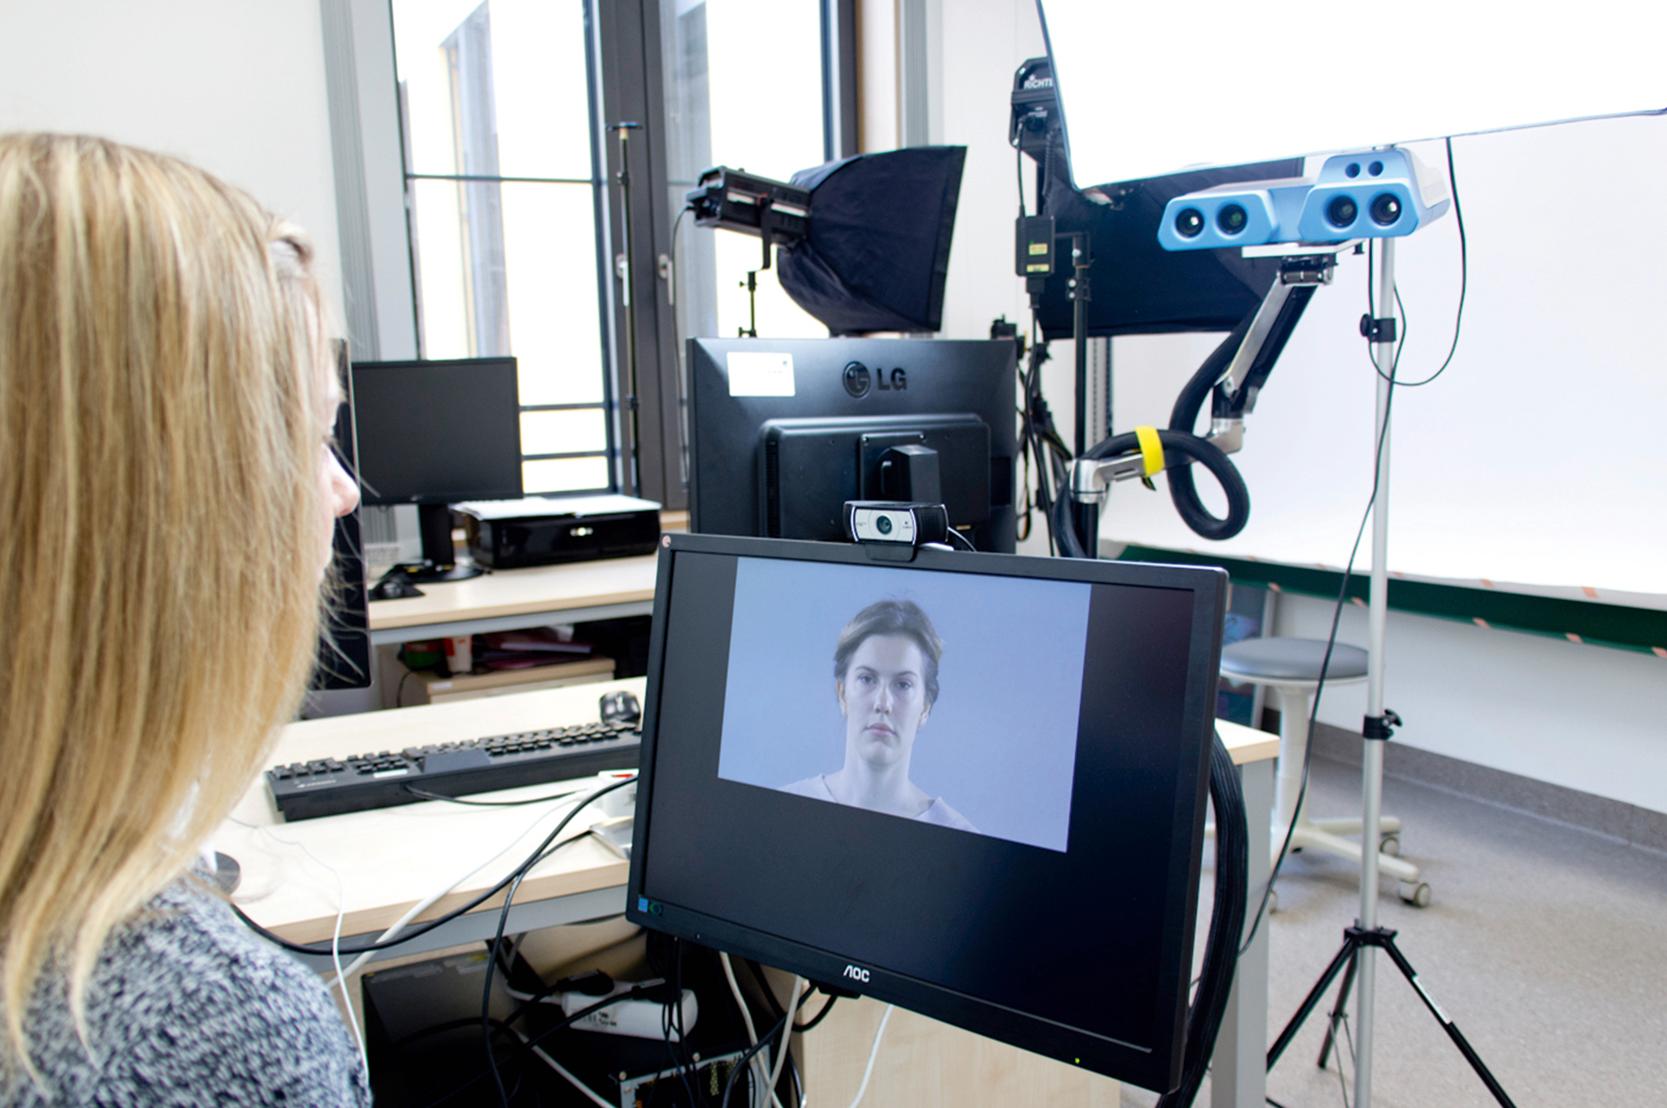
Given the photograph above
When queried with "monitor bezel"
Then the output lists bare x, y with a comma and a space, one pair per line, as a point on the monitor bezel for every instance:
727, 431
1155, 1065
374, 497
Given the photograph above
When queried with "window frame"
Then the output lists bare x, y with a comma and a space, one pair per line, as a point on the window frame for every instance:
627, 84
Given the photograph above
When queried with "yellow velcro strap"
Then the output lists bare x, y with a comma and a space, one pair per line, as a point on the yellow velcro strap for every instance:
1151, 450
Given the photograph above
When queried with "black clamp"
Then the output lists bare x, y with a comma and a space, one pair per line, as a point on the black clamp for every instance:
1374, 329
1381, 727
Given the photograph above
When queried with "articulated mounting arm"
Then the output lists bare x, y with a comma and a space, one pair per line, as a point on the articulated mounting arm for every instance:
1233, 377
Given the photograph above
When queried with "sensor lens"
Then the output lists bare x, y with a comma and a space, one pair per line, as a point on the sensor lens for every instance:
1341, 211
1189, 223
1231, 219
1386, 209
882, 524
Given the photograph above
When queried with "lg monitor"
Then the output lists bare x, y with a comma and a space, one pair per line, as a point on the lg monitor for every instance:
432, 433
970, 785
784, 431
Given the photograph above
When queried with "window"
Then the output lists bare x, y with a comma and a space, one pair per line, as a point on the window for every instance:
501, 196
744, 88
482, 212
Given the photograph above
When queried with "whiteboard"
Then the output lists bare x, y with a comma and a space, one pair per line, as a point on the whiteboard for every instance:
1538, 461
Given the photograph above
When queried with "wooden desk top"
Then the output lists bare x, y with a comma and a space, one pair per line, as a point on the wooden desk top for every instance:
606, 582
392, 858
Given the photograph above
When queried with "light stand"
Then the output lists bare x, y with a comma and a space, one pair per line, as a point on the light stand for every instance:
632, 402
1361, 941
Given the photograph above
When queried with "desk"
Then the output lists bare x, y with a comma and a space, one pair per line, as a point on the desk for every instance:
393, 858
390, 859
506, 599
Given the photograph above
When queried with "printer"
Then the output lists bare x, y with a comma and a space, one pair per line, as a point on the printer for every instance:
542, 530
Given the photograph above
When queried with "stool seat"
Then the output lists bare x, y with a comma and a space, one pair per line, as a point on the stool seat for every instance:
1295, 660
1290, 670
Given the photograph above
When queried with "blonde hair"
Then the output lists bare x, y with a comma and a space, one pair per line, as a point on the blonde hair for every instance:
161, 408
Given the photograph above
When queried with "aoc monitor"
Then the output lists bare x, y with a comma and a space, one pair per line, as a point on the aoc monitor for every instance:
972, 785
784, 431
432, 433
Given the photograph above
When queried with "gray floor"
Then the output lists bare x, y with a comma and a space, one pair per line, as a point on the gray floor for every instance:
1546, 944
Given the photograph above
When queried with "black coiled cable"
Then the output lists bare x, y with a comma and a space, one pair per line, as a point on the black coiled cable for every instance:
1176, 446
1221, 948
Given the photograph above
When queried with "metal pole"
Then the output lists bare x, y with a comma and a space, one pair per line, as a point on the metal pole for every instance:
627, 275
1371, 775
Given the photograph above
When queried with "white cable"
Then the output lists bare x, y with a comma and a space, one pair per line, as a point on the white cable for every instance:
793, 999
588, 1092
735, 991
759, 1065
746, 1014
873, 1053
335, 947
433, 898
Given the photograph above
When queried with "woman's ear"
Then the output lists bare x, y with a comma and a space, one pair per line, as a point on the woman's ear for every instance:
924, 712
839, 695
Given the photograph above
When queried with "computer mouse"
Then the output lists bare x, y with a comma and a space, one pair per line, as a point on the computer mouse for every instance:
620, 707
393, 586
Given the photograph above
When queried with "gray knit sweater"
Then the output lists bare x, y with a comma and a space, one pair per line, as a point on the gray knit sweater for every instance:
188, 1007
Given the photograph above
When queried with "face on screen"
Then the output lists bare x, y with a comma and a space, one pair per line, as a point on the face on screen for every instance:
883, 699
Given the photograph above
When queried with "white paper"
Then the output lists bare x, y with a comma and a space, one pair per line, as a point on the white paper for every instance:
760, 373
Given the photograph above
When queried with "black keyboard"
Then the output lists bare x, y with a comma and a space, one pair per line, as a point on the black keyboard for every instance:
331, 786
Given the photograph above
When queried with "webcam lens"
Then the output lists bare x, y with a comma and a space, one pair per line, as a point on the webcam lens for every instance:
1189, 223
1386, 209
882, 524
1231, 219
1341, 211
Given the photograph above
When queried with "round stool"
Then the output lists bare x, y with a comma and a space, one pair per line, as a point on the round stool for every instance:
1290, 670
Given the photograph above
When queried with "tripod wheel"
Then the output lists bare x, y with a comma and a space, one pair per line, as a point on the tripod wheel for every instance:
1390, 844
1416, 893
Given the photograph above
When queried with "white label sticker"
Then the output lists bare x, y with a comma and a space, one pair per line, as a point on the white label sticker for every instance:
760, 373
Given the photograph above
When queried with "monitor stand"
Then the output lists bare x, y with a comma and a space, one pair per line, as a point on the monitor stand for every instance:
439, 554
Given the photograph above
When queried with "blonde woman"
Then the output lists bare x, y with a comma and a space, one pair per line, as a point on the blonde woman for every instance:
166, 499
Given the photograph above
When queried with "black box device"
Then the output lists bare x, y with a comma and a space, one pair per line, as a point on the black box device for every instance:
970, 784
542, 530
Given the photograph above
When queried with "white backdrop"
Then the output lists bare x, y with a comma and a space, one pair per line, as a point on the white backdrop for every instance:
1537, 460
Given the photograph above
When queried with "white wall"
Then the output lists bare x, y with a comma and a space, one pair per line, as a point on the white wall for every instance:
235, 87
981, 44
1584, 717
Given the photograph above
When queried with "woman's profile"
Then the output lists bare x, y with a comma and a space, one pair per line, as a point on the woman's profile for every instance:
168, 489
886, 682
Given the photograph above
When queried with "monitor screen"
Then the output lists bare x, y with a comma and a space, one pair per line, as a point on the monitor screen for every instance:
971, 785
438, 432
784, 431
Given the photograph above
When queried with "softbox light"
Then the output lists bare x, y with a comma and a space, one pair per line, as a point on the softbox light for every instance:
863, 242
877, 251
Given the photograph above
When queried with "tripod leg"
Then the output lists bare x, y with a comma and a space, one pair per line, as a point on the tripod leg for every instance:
1338, 1011
1344, 956
1448, 1025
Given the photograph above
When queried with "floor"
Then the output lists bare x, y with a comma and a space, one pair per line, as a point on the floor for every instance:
1546, 944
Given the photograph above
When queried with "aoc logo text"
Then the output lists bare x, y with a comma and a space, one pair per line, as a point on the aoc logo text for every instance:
857, 973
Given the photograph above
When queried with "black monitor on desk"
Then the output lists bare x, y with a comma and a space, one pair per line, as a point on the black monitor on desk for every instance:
432, 433
784, 431
1036, 882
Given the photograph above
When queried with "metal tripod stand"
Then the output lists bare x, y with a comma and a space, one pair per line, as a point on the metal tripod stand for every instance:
1361, 941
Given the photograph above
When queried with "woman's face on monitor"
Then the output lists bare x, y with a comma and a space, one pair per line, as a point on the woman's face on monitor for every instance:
883, 698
